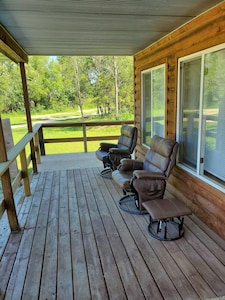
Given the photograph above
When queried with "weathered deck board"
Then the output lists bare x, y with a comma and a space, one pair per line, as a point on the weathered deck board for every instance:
114, 287
158, 260
76, 243
49, 271
129, 279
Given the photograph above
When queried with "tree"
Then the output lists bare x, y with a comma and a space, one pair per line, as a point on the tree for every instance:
116, 84
70, 81
37, 82
77, 81
11, 97
125, 83
109, 87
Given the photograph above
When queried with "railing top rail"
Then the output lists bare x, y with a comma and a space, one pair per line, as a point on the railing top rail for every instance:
86, 123
16, 150
3, 167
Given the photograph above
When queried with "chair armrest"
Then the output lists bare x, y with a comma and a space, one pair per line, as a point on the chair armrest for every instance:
128, 164
115, 156
104, 146
142, 174
119, 151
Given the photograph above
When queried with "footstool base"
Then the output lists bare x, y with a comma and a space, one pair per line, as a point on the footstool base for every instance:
166, 218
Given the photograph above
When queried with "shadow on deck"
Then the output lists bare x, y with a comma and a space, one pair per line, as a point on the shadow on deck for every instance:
75, 243
68, 161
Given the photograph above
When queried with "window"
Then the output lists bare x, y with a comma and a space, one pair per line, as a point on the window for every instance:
153, 101
201, 129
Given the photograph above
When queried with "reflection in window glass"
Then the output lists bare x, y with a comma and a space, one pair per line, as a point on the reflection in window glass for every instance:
202, 115
158, 101
214, 115
191, 72
153, 99
146, 126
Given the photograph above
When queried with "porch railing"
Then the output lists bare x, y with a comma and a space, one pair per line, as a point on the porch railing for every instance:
19, 151
9, 186
85, 138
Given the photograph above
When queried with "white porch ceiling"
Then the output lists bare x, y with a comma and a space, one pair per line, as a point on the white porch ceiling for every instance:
95, 27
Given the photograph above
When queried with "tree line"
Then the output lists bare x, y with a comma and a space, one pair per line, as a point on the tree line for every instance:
104, 82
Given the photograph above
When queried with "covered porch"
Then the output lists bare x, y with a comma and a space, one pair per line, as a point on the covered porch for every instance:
73, 242
76, 243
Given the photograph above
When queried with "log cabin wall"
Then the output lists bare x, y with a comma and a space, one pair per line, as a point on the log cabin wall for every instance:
205, 31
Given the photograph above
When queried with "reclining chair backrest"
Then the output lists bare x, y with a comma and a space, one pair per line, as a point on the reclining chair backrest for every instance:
128, 138
161, 156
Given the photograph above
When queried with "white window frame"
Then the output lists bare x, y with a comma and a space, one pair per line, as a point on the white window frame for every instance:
179, 114
142, 99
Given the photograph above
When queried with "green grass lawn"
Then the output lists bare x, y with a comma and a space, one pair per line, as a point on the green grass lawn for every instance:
76, 132
55, 148
20, 118
20, 131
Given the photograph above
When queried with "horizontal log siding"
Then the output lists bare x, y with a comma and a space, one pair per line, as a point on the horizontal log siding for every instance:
205, 31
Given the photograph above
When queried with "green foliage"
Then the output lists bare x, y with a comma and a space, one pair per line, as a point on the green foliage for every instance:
214, 92
11, 98
52, 84
19, 132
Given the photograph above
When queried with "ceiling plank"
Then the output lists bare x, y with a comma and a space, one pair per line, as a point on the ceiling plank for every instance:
96, 27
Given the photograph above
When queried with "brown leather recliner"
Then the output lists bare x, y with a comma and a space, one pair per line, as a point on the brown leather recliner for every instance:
146, 180
111, 154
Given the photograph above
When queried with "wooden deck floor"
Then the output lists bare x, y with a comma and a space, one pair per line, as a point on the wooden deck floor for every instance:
76, 243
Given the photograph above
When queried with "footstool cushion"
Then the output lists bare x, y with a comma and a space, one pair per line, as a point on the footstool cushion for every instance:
166, 214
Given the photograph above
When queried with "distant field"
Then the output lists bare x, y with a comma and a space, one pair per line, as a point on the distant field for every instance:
19, 129
20, 118
76, 132
55, 148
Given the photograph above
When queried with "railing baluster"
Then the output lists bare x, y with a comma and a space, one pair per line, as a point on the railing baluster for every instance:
41, 141
37, 148
9, 202
7, 188
85, 137
26, 181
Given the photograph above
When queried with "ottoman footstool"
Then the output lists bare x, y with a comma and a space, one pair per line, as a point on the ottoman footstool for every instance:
166, 218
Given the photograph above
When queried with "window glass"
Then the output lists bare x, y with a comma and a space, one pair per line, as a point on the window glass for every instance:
146, 108
191, 74
214, 115
153, 99
158, 101
202, 115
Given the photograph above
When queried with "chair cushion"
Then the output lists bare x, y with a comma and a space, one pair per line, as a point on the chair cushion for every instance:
128, 138
142, 174
105, 146
102, 155
122, 179
127, 164
161, 145
161, 209
149, 189
158, 157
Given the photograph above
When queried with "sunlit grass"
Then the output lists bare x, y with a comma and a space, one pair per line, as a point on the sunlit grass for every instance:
69, 132
20, 118
15, 119
66, 132
19, 129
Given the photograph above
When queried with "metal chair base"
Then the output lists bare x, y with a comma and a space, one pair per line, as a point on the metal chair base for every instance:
128, 203
106, 173
166, 230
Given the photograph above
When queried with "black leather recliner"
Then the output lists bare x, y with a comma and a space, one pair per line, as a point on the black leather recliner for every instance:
146, 180
111, 154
